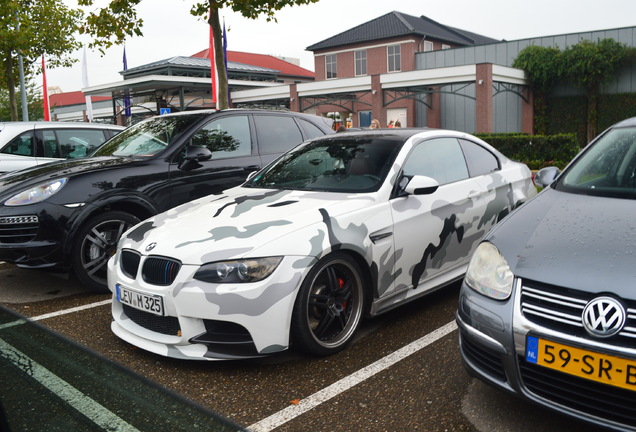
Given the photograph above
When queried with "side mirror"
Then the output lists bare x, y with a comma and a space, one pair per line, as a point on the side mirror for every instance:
198, 153
546, 176
421, 185
194, 155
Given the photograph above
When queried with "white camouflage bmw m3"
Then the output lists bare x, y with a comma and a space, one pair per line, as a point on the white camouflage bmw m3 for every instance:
341, 227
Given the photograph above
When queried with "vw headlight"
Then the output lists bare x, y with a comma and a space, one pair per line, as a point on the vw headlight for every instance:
488, 273
37, 193
238, 271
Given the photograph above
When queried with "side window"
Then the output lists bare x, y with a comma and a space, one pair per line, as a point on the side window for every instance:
50, 144
22, 145
311, 130
480, 161
276, 134
225, 137
439, 158
73, 143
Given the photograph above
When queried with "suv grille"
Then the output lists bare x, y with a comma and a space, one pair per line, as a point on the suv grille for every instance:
18, 229
561, 309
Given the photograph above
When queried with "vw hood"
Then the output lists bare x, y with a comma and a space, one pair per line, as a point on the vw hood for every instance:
577, 241
239, 222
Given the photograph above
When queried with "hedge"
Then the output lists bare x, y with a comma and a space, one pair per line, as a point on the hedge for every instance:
536, 151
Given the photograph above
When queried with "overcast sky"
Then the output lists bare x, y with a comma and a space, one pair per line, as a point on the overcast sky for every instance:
169, 29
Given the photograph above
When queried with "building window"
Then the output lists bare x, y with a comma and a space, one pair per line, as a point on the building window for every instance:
331, 66
393, 54
361, 62
428, 46
444, 46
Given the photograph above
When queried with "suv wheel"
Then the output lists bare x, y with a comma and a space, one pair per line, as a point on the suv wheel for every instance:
96, 243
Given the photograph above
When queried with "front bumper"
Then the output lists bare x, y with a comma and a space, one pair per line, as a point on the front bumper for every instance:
34, 236
206, 321
492, 337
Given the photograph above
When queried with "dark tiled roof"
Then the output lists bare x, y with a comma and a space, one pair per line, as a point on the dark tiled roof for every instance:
195, 63
264, 60
396, 24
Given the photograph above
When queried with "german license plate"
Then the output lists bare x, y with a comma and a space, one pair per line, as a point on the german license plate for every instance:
145, 302
603, 368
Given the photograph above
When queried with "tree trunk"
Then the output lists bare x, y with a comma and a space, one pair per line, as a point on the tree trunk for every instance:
592, 113
222, 100
8, 72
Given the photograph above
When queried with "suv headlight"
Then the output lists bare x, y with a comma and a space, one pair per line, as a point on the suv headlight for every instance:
489, 273
238, 271
37, 193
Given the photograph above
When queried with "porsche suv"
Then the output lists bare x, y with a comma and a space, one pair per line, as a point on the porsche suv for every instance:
70, 214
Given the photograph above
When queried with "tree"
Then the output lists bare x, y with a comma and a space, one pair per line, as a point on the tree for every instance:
113, 23
542, 66
587, 64
26, 28
34, 103
590, 65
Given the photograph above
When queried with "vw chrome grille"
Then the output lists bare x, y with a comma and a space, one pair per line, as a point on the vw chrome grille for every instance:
160, 271
18, 229
561, 309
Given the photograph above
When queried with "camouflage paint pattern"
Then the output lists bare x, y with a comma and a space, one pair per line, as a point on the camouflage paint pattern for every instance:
410, 244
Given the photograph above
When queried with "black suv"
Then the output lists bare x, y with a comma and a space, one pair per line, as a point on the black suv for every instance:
70, 214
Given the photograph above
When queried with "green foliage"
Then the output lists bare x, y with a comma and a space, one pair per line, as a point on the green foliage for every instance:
34, 103
536, 151
591, 64
569, 114
32, 29
542, 66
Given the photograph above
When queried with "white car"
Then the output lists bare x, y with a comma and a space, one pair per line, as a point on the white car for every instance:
26, 144
339, 228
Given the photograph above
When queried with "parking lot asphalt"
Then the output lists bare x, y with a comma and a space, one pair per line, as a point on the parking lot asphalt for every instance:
425, 390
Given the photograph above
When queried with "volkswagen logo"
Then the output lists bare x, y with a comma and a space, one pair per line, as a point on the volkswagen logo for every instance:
151, 246
603, 317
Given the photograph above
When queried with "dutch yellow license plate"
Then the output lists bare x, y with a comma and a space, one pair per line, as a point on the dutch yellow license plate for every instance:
603, 368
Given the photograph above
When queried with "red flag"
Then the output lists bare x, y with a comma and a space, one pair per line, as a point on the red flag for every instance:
212, 66
45, 93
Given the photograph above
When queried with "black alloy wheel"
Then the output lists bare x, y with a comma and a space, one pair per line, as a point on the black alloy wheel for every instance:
329, 306
96, 243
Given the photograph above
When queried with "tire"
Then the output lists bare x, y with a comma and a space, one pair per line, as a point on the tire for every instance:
329, 306
96, 243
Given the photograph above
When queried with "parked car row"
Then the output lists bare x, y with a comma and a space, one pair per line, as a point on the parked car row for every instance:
70, 214
27, 144
207, 265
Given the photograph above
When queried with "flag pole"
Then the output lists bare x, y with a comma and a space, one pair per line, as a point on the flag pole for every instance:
45, 94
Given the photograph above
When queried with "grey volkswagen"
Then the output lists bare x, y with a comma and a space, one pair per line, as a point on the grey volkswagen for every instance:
547, 310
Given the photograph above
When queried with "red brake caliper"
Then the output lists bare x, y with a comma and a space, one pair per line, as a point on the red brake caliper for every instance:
341, 283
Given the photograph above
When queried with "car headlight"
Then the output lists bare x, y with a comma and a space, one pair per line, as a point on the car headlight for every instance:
37, 193
489, 273
238, 271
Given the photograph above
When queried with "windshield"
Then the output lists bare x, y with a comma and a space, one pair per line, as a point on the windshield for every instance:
349, 164
149, 137
607, 168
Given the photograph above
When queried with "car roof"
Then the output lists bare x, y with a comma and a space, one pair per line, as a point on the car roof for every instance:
56, 125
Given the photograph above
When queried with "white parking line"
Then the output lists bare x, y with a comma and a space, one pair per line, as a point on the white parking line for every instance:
293, 411
71, 310
90, 408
